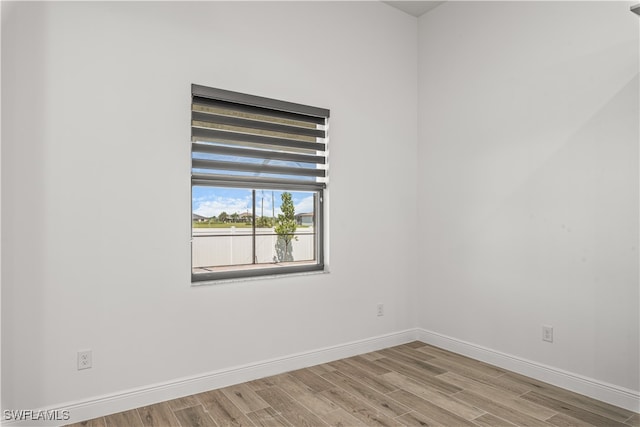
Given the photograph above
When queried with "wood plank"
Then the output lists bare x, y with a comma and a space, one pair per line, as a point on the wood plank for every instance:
341, 418
291, 410
417, 419
562, 420
457, 362
428, 409
316, 403
321, 369
126, 418
372, 356
290, 384
459, 359
596, 406
222, 410
463, 369
194, 416
500, 396
360, 410
244, 398
376, 382
412, 352
183, 402
633, 420
415, 344
262, 383
426, 379
379, 401
488, 420
410, 361
157, 415
268, 417
504, 382
571, 410
442, 400
95, 422
313, 381
367, 365
502, 411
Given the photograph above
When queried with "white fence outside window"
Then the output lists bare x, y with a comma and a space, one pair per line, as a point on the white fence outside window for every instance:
234, 246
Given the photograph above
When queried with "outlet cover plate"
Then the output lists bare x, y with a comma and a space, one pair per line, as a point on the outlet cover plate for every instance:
85, 359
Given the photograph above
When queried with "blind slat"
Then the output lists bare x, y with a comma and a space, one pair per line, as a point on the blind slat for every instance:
258, 183
260, 154
221, 135
256, 124
250, 109
255, 167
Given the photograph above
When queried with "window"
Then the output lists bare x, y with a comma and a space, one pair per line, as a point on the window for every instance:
258, 172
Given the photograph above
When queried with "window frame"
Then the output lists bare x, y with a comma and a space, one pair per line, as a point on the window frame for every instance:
260, 183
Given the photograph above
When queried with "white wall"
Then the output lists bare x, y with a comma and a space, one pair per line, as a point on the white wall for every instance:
529, 182
95, 134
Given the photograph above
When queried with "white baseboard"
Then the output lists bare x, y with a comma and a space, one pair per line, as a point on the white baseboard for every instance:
135, 398
142, 396
614, 395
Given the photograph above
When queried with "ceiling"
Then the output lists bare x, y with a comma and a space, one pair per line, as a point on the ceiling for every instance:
415, 8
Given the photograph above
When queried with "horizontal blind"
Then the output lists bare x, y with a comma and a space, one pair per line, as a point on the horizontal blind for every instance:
240, 140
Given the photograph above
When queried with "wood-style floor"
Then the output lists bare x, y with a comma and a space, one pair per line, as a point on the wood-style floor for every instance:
409, 385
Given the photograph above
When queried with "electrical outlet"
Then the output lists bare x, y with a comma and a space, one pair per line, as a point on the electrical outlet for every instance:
380, 310
84, 359
547, 333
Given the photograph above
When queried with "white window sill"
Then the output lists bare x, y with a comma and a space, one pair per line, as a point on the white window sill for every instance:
251, 279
